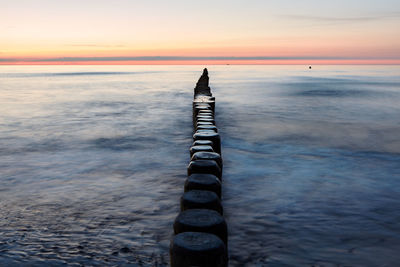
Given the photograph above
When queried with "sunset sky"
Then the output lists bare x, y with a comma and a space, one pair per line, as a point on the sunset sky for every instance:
192, 32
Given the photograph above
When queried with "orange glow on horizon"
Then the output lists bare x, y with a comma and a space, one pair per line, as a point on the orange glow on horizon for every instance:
217, 62
43, 32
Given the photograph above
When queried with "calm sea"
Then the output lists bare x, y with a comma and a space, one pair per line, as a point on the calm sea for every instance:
93, 161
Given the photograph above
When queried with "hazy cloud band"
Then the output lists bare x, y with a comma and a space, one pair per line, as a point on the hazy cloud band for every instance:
182, 58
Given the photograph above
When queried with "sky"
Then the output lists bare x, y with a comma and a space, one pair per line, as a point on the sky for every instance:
199, 32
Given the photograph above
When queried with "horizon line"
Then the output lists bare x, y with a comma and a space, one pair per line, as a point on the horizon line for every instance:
208, 64
201, 60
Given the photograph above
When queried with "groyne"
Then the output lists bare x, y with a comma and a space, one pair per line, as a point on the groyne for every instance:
200, 231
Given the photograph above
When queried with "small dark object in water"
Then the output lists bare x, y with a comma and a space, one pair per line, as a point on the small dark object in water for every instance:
125, 250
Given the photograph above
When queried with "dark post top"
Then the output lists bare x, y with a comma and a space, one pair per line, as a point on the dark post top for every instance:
202, 87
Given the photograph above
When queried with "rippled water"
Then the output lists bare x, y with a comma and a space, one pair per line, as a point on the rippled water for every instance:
93, 161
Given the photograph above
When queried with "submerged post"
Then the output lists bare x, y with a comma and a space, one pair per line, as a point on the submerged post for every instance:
200, 231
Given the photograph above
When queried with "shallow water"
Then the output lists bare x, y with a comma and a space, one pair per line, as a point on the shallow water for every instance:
93, 158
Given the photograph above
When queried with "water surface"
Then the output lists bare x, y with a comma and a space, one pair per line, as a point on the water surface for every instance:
93, 161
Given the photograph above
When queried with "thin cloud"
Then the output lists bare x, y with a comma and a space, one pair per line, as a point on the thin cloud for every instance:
323, 19
96, 45
8, 60
181, 58
169, 58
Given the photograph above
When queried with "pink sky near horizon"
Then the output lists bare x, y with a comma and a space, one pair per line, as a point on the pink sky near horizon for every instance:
218, 62
285, 32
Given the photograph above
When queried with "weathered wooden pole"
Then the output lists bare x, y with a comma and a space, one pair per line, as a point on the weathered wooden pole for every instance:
200, 231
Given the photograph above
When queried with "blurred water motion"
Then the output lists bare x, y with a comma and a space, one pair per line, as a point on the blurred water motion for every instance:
93, 161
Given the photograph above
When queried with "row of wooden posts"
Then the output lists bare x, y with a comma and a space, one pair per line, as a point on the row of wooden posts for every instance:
200, 231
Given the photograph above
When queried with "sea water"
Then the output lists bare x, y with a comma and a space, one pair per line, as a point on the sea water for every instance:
93, 162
